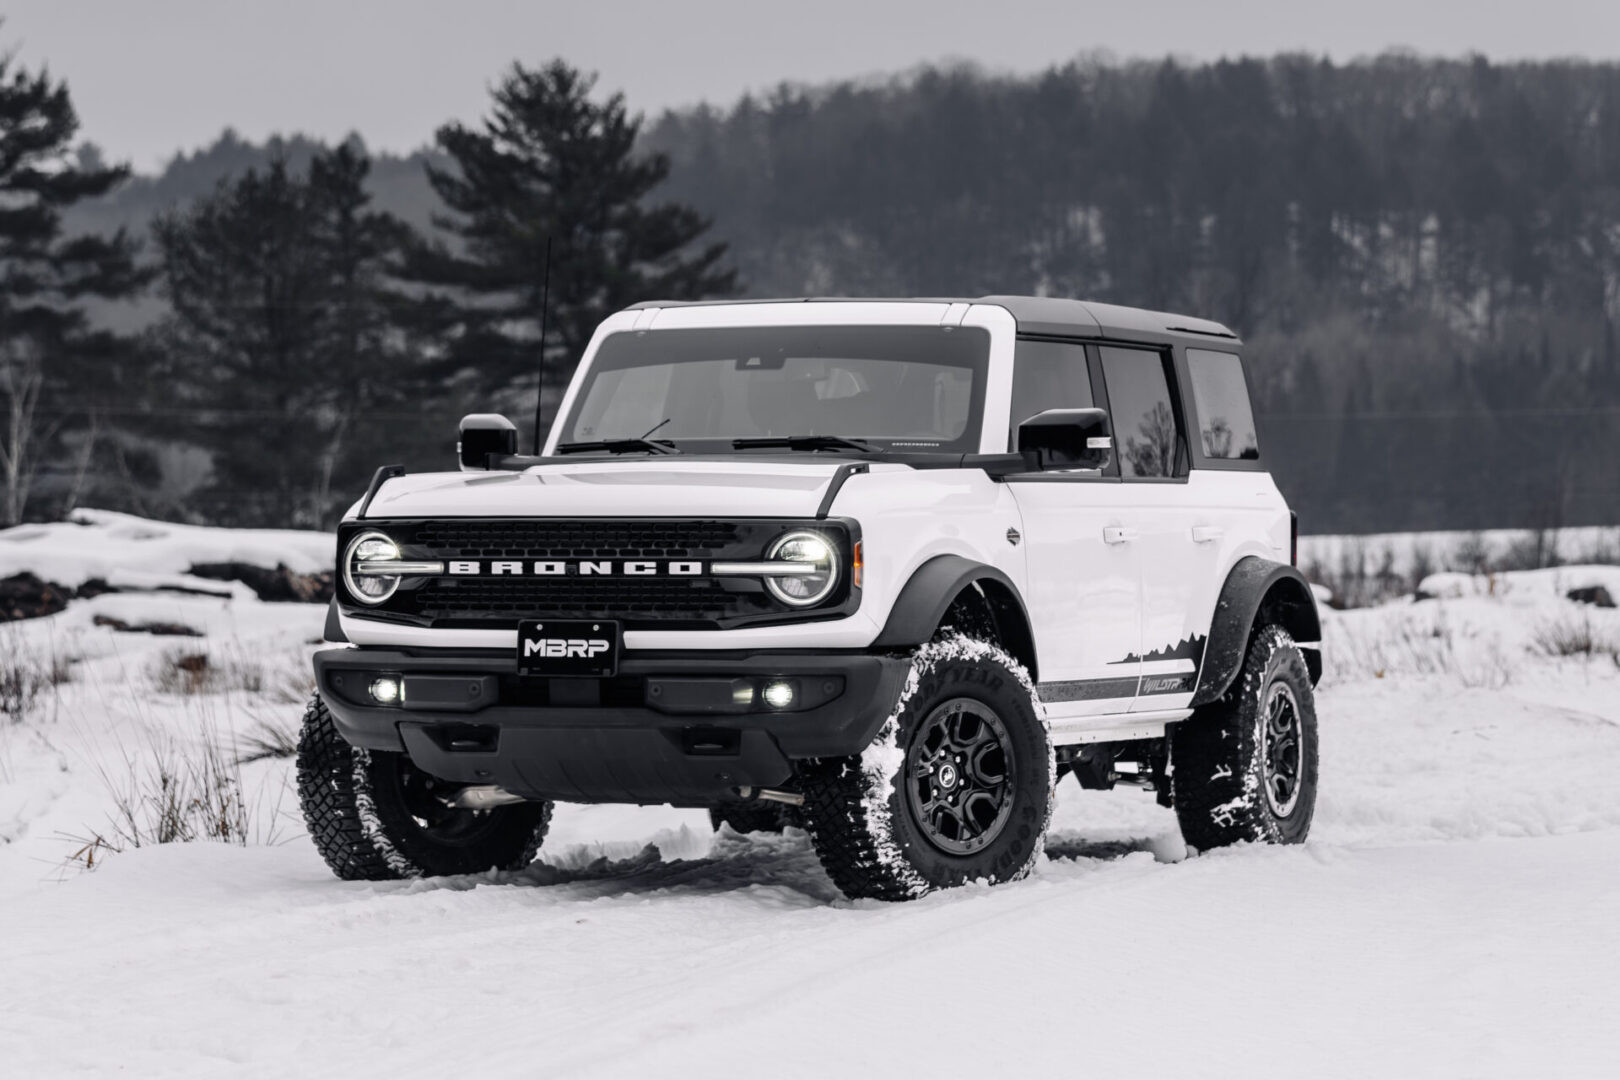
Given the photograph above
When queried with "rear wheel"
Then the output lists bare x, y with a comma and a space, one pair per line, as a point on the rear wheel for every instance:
956, 787
1244, 767
375, 816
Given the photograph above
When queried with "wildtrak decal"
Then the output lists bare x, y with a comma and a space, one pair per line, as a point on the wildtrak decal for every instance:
1167, 684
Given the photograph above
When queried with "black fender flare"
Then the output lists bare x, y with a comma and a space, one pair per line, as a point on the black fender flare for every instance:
334, 628
1256, 590
922, 603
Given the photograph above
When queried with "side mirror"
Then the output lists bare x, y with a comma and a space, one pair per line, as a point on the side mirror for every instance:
1067, 439
483, 434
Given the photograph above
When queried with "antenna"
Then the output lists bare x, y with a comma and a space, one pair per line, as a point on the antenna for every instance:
540, 391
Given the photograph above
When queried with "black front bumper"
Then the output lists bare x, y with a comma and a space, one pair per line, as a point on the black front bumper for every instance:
653, 734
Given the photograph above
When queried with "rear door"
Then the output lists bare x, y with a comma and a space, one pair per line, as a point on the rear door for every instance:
1234, 505
1150, 439
1084, 575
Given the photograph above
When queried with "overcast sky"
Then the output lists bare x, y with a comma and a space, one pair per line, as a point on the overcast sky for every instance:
156, 76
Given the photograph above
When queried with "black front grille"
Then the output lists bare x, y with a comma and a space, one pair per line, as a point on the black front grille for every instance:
640, 602
588, 539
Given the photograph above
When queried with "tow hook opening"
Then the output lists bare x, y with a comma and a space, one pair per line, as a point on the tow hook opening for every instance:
711, 742
466, 738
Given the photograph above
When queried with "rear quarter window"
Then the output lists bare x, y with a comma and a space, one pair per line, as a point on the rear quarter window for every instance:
1151, 444
1221, 396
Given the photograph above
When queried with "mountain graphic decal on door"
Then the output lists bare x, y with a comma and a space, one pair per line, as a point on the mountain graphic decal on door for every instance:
1189, 648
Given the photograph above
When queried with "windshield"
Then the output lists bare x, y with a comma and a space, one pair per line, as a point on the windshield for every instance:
910, 388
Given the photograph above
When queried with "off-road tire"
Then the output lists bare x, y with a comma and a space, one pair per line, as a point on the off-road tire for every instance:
1218, 767
866, 829
755, 817
356, 811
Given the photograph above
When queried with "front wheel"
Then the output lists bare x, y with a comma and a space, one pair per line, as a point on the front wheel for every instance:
374, 816
1244, 767
957, 786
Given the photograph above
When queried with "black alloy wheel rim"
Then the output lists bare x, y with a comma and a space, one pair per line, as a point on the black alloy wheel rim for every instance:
1284, 749
959, 776
424, 798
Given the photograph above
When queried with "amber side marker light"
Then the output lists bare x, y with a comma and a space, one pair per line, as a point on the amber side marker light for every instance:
856, 577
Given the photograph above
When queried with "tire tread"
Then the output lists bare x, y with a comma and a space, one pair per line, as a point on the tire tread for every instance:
1215, 759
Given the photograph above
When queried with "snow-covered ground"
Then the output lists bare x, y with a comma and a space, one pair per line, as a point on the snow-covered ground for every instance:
1456, 912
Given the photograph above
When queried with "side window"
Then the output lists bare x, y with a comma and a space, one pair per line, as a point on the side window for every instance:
1145, 434
1047, 375
1225, 417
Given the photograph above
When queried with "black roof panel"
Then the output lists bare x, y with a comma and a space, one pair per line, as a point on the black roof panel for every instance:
1050, 315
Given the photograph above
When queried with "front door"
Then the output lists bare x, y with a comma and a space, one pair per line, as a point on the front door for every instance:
1084, 569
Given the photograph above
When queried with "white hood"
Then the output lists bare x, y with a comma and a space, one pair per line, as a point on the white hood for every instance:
623, 488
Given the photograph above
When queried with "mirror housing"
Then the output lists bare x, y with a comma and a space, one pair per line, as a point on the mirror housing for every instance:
481, 435
1067, 439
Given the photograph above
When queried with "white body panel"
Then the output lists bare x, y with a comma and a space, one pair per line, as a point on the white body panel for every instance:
1087, 611
1191, 534
629, 487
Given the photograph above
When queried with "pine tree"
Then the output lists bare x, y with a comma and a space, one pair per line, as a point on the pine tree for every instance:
280, 340
549, 164
56, 370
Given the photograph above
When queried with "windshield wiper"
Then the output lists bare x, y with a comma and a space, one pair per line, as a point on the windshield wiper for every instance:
625, 446
802, 442
618, 446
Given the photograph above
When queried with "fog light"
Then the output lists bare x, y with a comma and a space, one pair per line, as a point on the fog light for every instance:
778, 695
387, 691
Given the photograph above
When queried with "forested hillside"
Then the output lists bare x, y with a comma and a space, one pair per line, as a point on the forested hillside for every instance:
1424, 255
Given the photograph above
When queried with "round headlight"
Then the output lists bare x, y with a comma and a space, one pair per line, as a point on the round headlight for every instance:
372, 588
803, 590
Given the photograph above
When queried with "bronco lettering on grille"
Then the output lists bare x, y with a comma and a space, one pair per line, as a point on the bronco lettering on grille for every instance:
555, 568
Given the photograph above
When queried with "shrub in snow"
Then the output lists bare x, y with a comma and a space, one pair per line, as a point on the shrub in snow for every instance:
197, 673
265, 740
1572, 634
173, 792
1418, 640
225, 670
26, 678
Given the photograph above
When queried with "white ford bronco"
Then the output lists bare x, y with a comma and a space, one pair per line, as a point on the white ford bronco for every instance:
883, 570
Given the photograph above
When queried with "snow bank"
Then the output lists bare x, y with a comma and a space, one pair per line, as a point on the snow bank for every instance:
1556, 581
120, 549
1455, 550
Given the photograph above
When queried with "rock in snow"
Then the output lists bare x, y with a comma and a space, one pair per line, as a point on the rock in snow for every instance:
25, 596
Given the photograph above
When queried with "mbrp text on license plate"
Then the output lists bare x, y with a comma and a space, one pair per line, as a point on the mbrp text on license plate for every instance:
569, 648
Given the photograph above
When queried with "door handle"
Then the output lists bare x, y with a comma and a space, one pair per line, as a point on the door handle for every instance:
1114, 534
1207, 534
